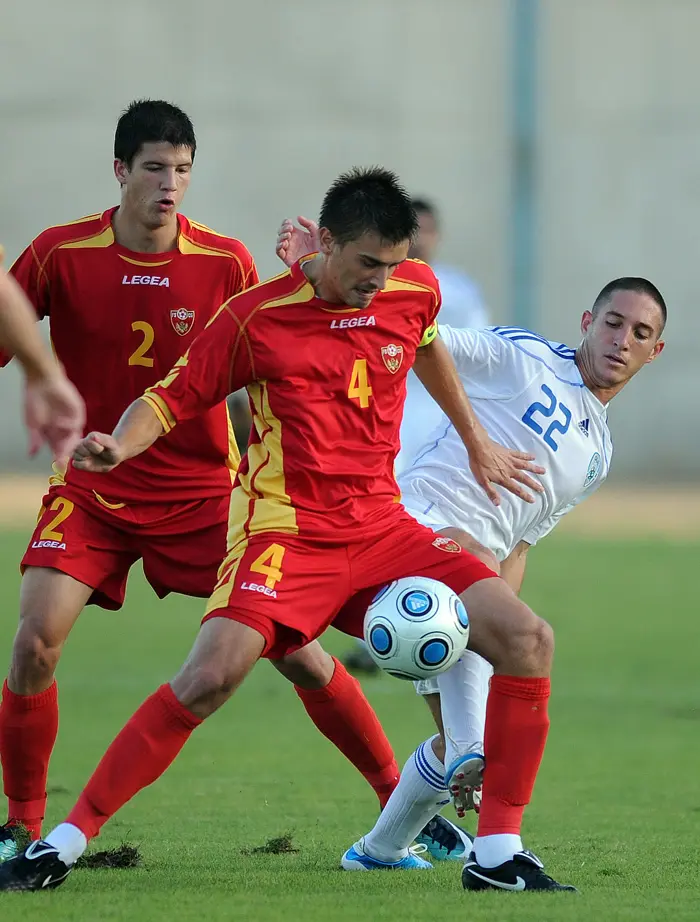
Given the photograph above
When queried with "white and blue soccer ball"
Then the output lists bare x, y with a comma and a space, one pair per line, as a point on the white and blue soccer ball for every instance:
416, 628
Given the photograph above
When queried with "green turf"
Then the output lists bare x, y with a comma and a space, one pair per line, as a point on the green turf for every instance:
616, 811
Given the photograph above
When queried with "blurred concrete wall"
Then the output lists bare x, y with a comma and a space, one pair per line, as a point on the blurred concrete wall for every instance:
284, 96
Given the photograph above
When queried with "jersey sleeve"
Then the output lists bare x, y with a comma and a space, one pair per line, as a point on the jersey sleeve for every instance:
474, 350
28, 273
245, 274
33, 280
219, 362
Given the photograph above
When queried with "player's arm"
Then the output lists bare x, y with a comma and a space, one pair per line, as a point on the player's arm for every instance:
513, 567
218, 362
53, 409
490, 462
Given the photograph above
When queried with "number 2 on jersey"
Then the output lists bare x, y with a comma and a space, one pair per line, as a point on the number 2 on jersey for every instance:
359, 388
138, 356
547, 410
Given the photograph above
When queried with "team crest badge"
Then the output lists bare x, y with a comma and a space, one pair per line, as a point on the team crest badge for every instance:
593, 470
182, 320
447, 544
393, 357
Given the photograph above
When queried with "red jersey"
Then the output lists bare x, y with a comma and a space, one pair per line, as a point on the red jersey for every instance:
327, 385
119, 320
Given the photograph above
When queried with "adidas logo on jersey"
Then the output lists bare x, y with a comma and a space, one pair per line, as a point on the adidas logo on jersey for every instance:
583, 426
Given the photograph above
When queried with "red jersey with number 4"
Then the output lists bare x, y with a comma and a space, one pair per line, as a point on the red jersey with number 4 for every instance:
327, 386
119, 320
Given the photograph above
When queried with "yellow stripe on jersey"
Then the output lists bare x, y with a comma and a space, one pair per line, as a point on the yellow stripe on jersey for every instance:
103, 502
260, 502
161, 409
233, 458
104, 239
226, 577
138, 262
429, 335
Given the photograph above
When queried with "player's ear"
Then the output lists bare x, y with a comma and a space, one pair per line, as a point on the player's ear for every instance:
656, 351
586, 321
326, 241
121, 171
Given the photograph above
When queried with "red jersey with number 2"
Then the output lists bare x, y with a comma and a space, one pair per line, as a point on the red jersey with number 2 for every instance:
119, 320
327, 385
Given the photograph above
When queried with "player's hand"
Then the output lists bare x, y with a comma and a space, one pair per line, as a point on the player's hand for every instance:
492, 463
294, 242
97, 452
54, 413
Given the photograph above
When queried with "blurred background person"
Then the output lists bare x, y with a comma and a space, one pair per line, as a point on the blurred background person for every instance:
462, 306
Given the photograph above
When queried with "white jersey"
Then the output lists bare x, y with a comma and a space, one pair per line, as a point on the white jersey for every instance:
462, 306
529, 395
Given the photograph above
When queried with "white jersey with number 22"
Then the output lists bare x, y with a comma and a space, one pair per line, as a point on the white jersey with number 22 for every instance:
529, 395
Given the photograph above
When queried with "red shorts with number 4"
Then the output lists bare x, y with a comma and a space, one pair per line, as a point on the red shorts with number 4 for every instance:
290, 589
97, 542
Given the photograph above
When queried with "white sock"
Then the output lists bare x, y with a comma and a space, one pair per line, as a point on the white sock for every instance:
69, 840
494, 850
418, 797
464, 690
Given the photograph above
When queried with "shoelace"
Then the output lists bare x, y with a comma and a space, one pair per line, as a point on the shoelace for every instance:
443, 835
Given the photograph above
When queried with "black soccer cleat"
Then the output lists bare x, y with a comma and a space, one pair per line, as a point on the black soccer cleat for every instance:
38, 867
524, 871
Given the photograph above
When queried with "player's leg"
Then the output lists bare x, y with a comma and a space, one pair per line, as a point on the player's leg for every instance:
182, 550
335, 702
519, 646
241, 624
71, 551
50, 603
223, 654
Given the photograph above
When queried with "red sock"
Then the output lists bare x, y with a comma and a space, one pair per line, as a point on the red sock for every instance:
516, 732
141, 752
28, 729
345, 717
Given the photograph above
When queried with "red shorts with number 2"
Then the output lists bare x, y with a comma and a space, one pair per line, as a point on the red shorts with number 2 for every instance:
97, 542
290, 589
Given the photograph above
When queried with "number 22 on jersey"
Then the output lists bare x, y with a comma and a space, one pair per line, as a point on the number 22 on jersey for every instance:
547, 410
359, 388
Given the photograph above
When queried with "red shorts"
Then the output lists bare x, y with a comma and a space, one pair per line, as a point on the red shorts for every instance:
290, 589
96, 542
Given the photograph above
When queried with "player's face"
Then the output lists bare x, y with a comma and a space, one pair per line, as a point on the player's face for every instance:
427, 238
154, 186
622, 337
354, 272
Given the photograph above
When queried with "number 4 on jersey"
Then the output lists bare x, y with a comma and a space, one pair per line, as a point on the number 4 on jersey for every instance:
359, 388
269, 563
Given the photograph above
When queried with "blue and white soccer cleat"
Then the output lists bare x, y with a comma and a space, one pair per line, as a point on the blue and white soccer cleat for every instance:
357, 859
462, 777
445, 841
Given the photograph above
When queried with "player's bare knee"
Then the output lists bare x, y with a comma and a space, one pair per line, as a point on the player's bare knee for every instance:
309, 668
204, 688
530, 647
34, 662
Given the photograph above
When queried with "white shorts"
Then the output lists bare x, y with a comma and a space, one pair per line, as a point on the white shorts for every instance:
429, 515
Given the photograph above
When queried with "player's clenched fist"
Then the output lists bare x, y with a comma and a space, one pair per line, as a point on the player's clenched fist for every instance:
97, 452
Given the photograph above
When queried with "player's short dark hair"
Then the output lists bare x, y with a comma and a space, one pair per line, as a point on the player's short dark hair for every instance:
370, 199
425, 206
147, 120
639, 286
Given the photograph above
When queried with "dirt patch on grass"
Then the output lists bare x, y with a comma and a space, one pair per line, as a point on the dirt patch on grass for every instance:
614, 512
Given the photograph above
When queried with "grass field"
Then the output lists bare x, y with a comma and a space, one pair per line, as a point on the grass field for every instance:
616, 810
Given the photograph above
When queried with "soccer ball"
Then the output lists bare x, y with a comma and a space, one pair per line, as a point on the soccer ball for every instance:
416, 628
